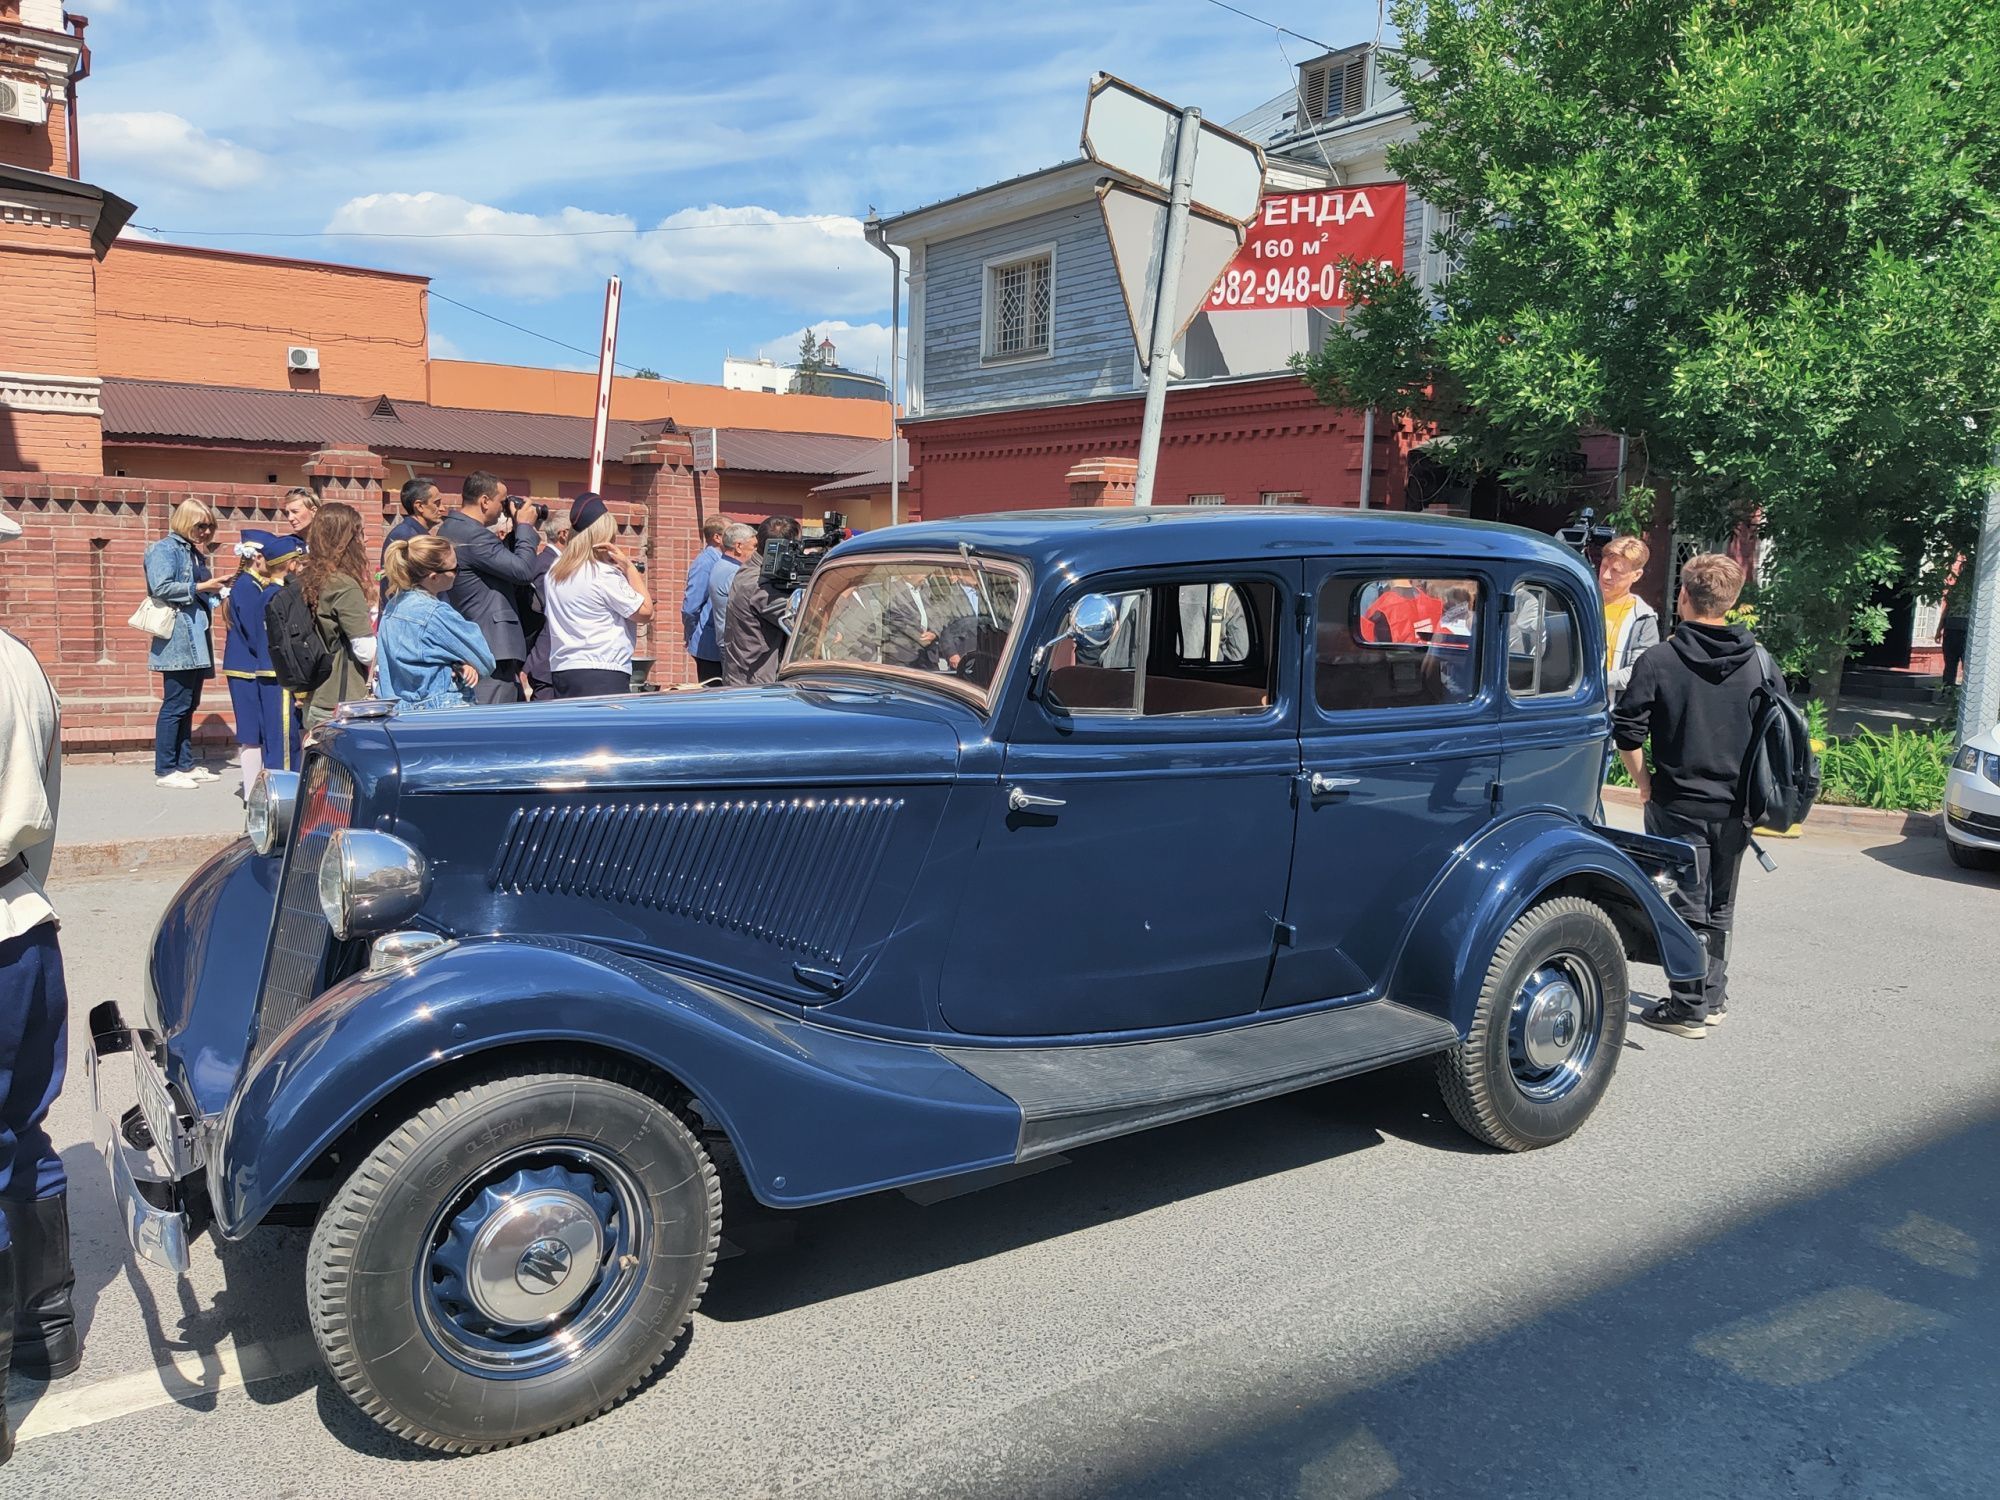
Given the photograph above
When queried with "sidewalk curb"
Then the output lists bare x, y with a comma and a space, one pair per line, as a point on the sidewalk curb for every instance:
135, 856
1921, 825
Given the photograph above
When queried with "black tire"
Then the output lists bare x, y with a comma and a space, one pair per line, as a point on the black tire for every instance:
371, 1277
1482, 1078
1968, 858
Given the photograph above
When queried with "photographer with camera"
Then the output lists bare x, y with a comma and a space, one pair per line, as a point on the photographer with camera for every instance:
490, 570
753, 633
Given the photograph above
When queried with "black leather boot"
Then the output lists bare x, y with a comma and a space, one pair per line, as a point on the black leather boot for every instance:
45, 1342
6, 1348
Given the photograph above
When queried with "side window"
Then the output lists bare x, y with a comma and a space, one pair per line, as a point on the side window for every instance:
1544, 645
1398, 642
1200, 646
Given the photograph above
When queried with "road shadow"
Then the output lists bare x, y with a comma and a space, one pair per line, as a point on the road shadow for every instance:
1842, 1344
864, 1243
1916, 854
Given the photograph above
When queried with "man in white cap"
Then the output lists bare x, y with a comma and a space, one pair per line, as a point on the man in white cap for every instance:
37, 1323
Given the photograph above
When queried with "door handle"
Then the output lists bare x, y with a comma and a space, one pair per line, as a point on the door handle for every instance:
1020, 801
1323, 785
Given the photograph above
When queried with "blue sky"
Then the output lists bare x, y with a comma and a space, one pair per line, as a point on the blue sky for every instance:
775, 124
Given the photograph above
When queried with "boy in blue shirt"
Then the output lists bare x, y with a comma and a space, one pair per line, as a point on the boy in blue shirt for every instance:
267, 723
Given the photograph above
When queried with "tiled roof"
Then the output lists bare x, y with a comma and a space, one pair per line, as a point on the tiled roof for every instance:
874, 477
763, 452
135, 410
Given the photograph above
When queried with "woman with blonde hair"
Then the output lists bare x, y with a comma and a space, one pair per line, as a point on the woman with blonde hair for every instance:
596, 600
428, 655
178, 575
1631, 625
334, 582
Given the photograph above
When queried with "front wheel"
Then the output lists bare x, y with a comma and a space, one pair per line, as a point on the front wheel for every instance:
1968, 858
514, 1259
1547, 1030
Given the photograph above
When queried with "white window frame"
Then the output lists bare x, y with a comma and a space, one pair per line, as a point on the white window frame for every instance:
1209, 499
989, 308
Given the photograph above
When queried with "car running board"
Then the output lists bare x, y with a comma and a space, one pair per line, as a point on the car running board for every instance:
1070, 1096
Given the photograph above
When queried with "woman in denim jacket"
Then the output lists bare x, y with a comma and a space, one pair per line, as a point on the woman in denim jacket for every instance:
427, 654
177, 574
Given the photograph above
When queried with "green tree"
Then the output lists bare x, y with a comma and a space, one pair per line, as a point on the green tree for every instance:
807, 379
645, 372
1761, 237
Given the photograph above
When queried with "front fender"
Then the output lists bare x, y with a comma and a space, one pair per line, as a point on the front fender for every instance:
1496, 878
813, 1114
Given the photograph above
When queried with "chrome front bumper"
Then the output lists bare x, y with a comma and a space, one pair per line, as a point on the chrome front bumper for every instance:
151, 1147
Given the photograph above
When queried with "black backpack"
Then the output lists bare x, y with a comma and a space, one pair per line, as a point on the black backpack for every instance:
1780, 779
298, 653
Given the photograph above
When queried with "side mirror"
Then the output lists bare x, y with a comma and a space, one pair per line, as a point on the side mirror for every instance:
1093, 622
788, 621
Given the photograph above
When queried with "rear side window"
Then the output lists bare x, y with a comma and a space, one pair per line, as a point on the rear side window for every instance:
1398, 642
1544, 644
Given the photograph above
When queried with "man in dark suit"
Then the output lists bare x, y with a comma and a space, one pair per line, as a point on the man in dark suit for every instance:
423, 512
489, 571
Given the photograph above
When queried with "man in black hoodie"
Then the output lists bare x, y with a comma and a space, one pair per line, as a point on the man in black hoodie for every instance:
1693, 697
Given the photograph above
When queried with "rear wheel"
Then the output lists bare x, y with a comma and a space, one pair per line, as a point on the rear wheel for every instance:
1547, 1031
514, 1259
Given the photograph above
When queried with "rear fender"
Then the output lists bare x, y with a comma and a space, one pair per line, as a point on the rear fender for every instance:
1498, 877
813, 1114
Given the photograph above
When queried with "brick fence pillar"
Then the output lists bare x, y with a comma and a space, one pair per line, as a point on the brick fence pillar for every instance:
668, 505
356, 477
1103, 481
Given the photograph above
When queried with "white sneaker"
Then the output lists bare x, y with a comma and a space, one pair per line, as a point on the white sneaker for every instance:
176, 778
202, 773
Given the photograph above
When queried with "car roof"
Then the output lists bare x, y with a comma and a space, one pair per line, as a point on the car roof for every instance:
1092, 540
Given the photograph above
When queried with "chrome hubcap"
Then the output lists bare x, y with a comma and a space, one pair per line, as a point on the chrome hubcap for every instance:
533, 1260
1553, 1030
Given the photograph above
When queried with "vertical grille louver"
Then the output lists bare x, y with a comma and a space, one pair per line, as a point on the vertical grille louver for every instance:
790, 871
296, 968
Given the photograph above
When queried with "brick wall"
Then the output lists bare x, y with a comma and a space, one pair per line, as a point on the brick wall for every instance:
169, 313
45, 150
47, 271
77, 573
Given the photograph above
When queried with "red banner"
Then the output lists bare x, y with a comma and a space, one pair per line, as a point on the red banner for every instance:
1291, 256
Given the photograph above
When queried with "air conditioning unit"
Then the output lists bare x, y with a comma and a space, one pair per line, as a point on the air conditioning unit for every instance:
21, 102
299, 357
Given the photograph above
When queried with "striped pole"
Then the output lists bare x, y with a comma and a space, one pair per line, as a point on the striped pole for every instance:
606, 350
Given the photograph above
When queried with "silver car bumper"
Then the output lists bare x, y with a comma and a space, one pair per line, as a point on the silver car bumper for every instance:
149, 1147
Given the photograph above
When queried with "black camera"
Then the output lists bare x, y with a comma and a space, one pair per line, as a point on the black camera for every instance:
538, 513
789, 561
1585, 532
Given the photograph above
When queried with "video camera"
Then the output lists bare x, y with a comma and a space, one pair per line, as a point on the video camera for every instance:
1585, 532
789, 561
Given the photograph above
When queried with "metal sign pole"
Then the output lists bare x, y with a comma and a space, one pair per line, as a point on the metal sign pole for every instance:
1367, 452
1161, 346
607, 350
1979, 698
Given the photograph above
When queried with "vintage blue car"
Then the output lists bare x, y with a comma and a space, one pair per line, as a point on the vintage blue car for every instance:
1055, 826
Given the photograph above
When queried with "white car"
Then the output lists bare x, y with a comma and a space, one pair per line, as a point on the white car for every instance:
1972, 803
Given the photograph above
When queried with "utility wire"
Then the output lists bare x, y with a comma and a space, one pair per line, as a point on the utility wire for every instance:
1273, 25
531, 333
487, 234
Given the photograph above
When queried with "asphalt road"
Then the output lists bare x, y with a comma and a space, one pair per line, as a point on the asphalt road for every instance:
1770, 1266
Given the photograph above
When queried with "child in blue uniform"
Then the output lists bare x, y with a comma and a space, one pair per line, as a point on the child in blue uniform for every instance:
267, 724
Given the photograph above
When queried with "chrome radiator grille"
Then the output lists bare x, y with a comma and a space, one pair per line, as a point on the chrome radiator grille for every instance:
791, 871
296, 967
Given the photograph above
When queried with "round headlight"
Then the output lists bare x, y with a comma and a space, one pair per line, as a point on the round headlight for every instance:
267, 811
370, 882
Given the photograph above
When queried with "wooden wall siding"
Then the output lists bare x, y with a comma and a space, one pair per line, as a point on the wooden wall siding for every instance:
1093, 351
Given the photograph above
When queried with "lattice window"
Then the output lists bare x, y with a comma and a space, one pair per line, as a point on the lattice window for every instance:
1019, 299
1281, 497
1204, 500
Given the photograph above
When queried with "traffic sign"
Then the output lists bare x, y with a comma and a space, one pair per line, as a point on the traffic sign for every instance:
1133, 132
1136, 224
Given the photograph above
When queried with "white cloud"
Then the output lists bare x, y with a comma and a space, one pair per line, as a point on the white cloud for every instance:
444, 347
861, 347
165, 145
528, 255
799, 261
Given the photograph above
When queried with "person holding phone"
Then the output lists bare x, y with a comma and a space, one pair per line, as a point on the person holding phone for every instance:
596, 600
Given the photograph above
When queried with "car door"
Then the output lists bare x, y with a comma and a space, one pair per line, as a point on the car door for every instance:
1399, 758
1131, 868
1557, 717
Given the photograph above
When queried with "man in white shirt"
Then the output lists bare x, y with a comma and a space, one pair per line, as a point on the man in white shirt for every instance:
37, 1324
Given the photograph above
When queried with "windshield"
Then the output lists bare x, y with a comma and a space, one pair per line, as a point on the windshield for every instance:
944, 618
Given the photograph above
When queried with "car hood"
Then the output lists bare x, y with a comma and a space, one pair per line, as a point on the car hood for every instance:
792, 733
